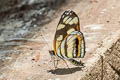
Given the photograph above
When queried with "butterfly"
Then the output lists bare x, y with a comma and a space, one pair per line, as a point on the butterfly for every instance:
69, 42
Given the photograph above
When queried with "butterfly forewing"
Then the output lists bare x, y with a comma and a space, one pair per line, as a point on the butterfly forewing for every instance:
69, 41
68, 23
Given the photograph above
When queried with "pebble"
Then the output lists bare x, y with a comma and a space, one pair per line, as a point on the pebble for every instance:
57, 79
104, 10
35, 26
112, 7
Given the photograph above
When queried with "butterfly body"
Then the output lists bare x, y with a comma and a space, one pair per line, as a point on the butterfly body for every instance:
69, 41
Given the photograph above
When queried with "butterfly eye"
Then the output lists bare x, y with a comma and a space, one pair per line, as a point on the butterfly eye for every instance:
51, 52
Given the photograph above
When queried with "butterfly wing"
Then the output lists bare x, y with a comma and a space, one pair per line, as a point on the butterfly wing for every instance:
68, 23
75, 45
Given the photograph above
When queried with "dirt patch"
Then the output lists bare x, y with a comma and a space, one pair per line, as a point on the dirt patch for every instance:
98, 20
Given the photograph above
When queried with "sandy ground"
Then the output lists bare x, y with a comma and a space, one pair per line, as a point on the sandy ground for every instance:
98, 18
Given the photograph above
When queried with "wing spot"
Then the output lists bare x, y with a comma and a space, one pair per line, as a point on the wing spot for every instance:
60, 37
71, 22
75, 20
70, 30
70, 54
63, 50
57, 44
68, 21
60, 26
64, 20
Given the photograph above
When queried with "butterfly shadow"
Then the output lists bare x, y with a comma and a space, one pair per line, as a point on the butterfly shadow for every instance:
63, 71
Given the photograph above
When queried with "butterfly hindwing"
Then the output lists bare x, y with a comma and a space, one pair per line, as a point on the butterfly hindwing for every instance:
75, 47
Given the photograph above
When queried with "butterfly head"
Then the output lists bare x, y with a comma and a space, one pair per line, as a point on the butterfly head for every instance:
52, 53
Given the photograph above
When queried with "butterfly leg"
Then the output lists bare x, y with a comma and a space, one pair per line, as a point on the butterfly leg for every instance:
67, 66
81, 63
55, 63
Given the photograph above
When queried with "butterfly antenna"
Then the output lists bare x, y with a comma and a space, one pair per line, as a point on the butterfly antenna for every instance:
46, 44
45, 40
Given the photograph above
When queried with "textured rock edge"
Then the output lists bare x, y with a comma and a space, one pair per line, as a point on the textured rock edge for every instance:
105, 63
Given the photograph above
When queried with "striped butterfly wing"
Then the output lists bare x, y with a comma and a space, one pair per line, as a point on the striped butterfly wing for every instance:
68, 23
75, 45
